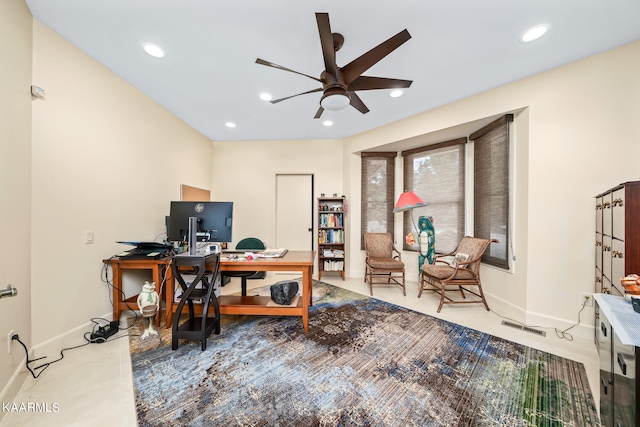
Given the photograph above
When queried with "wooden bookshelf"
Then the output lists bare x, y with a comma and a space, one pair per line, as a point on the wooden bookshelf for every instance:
331, 236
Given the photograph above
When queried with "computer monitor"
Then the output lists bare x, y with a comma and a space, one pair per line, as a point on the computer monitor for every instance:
215, 221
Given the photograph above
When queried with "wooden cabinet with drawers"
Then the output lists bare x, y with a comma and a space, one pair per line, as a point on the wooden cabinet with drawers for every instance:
617, 236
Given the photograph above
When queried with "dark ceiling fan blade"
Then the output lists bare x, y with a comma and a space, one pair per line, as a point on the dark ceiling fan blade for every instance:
357, 103
275, 101
326, 41
370, 83
352, 70
280, 67
319, 113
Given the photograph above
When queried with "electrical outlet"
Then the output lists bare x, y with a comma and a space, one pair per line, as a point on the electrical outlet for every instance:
586, 297
9, 341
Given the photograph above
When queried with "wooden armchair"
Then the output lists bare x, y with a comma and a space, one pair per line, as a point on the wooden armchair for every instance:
383, 265
462, 273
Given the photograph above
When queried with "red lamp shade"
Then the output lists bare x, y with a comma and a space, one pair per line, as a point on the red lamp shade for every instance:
408, 200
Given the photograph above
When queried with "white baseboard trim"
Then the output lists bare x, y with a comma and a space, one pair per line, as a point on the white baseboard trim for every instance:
542, 322
14, 385
51, 348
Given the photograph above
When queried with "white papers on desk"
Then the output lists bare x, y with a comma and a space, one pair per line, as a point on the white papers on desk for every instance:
273, 253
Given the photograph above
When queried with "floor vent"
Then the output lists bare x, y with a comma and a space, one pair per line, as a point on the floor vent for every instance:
524, 328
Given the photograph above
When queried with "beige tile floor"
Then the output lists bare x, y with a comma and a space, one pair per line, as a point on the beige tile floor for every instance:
93, 385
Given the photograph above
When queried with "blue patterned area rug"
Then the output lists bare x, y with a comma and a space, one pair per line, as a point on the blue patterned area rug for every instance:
364, 362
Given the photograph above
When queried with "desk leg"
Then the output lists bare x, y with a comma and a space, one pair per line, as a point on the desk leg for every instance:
116, 288
169, 286
306, 290
155, 277
168, 291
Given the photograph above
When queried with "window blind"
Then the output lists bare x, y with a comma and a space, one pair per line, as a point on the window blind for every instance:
491, 189
377, 185
435, 173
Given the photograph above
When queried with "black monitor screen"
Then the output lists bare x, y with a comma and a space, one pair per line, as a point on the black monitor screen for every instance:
215, 220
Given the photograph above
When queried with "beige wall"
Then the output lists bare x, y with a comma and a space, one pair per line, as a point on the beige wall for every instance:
106, 159
245, 172
576, 136
15, 184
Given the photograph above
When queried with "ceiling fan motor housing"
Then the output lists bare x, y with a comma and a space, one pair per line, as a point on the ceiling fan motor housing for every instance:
339, 84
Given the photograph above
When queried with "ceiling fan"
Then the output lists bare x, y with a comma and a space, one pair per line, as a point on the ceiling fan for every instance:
339, 84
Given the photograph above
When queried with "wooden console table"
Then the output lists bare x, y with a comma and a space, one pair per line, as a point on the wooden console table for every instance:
301, 261
159, 268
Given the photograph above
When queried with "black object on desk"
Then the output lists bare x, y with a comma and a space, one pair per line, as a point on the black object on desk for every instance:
146, 250
196, 327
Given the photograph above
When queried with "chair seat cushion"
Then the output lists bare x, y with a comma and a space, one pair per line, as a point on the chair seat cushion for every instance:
444, 271
386, 263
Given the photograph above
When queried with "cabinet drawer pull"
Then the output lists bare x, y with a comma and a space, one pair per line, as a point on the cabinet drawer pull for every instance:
606, 248
617, 202
605, 388
603, 328
598, 243
606, 205
616, 254
622, 364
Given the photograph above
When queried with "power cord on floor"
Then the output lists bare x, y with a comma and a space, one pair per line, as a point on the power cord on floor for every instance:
562, 334
44, 366
88, 336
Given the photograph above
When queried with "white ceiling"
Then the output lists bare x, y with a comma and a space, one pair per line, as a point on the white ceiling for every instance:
209, 76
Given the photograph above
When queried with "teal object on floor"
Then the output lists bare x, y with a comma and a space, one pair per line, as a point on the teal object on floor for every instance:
426, 241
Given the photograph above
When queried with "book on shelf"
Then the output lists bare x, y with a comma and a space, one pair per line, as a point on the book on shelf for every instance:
331, 237
330, 265
330, 220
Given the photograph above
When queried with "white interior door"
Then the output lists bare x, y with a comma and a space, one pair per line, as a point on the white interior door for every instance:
294, 211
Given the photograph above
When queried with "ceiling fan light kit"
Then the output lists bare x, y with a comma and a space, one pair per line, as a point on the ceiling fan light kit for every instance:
334, 101
339, 84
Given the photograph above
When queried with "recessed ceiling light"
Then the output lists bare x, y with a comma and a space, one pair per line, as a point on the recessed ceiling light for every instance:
153, 50
265, 96
534, 33
230, 124
327, 123
396, 93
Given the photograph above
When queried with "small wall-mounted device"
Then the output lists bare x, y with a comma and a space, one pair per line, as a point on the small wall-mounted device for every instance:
37, 91
10, 292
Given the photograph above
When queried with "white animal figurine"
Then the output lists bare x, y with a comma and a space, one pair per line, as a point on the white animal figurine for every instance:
149, 304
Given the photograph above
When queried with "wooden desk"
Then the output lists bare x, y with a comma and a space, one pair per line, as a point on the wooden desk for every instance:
159, 268
301, 261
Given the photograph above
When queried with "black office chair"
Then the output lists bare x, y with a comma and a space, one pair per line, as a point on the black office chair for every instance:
249, 244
